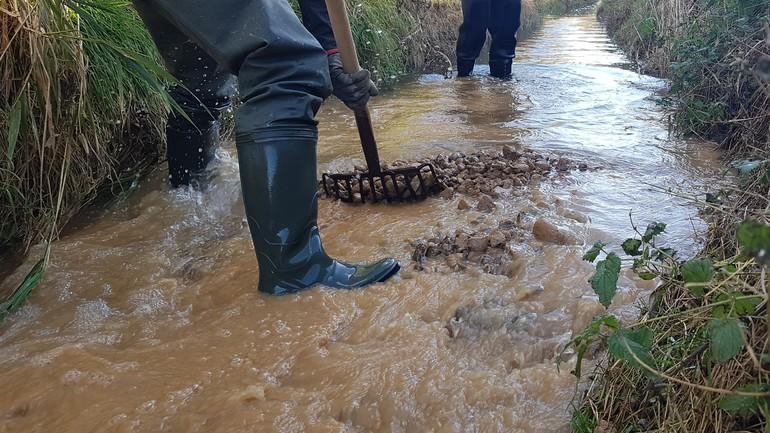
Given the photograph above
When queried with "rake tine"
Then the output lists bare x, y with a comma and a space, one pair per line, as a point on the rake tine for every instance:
337, 189
396, 196
349, 188
324, 179
372, 190
422, 184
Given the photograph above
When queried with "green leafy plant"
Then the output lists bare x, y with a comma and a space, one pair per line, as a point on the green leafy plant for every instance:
648, 260
723, 313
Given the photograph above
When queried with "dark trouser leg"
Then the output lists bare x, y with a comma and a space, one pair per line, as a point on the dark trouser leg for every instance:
204, 93
473, 34
283, 79
505, 22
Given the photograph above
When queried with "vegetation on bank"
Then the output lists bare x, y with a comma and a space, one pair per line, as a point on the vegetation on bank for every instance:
563, 7
716, 54
698, 359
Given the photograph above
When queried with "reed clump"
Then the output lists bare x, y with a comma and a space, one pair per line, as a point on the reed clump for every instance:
81, 106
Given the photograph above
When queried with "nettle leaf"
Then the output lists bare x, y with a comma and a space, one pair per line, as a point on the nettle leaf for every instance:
746, 306
754, 237
653, 229
632, 344
746, 166
745, 405
697, 273
591, 255
726, 338
605, 279
632, 247
609, 321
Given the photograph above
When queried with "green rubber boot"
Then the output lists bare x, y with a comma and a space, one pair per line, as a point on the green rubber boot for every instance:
278, 178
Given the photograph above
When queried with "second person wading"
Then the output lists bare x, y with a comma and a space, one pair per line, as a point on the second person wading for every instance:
501, 18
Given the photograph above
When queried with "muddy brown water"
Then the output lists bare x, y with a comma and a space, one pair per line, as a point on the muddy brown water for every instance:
148, 319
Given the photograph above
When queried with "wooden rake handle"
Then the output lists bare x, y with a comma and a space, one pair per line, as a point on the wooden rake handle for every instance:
338, 16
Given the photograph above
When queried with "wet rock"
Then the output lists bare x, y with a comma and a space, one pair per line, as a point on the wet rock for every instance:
478, 244
496, 239
447, 193
548, 232
543, 166
475, 257
485, 204
582, 166
574, 215
521, 168
461, 241
527, 292
252, 394
463, 204
512, 268
563, 164
510, 153
455, 262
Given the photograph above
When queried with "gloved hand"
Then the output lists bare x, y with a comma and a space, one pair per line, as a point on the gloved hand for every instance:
352, 89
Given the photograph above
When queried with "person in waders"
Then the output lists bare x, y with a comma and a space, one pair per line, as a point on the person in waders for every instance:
284, 73
501, 18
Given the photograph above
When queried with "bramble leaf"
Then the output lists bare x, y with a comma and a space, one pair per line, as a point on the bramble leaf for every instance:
726, 338
745, 405
754, 237
591, 255
605, 279
697, 273
632, 247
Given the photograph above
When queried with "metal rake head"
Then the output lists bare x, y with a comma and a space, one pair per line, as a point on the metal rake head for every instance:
402, 184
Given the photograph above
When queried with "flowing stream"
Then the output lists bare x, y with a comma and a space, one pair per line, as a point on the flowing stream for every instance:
148, 319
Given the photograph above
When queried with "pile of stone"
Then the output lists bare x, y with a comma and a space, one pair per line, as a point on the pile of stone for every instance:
485, 171
475, 173
488, 248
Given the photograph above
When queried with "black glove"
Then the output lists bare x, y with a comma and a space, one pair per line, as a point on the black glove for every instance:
352, 89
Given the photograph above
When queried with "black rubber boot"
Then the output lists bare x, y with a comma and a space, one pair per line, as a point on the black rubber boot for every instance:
278, 177
189, 150
464, 68
500, 69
